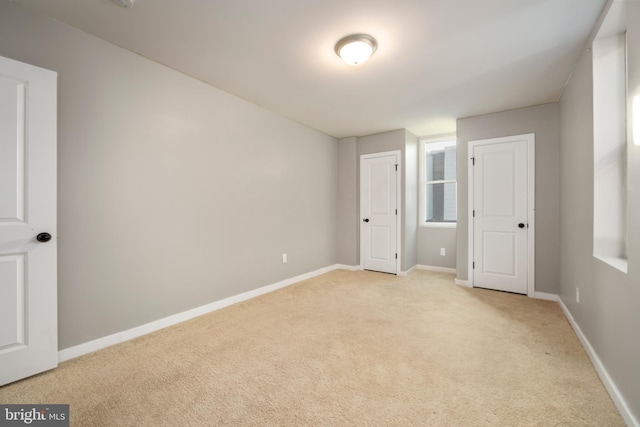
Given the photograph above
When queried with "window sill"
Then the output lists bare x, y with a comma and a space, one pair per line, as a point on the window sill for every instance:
615, 262
438, 224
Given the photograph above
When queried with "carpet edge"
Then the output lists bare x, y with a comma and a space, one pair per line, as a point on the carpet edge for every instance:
156, 325
611, 387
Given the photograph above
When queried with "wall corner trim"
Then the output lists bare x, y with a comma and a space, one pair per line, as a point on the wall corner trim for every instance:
545, 296
609, 384
409, 271
464, 283
120, 337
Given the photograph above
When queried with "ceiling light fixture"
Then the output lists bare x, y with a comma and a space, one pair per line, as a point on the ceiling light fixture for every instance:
356, 48
124, 3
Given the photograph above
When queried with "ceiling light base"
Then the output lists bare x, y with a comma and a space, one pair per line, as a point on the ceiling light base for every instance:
355, 49
124, 3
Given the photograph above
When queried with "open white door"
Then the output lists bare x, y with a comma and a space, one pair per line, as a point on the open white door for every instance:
501, 205
379, 212
28, 282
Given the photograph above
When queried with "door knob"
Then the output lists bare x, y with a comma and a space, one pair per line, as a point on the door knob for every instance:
43, 237
521, 225
366, 220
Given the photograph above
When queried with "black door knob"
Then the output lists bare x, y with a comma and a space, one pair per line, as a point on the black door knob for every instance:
43, 237
366, 220
521, 225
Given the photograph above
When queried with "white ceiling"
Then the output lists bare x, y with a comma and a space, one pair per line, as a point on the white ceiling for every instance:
437, 60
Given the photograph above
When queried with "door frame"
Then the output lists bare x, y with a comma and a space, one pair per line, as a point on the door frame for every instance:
531, 231
363, 157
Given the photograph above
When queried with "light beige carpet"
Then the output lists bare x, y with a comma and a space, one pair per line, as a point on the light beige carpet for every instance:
345, 348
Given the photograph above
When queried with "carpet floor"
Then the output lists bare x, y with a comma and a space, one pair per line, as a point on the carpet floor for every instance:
342, 349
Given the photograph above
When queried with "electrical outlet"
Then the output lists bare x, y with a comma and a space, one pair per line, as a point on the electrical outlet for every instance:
578, 295
442, 252
284, 258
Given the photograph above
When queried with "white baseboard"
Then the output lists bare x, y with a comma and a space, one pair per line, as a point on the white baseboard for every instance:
546, 296
406, 273
436, 268
464, 283
119, 337
348, 267
611, 387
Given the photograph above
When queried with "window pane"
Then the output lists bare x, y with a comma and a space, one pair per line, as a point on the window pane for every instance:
439, 181
438, 165
441, 164
450, 163
441, 202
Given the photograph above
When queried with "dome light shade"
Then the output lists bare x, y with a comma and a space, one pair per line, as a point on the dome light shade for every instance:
124, 3
356, 48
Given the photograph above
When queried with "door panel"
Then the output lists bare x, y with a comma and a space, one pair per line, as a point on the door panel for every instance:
12, 300
380, 180
28, 283
498, 180
380, 242
500, 204
378, 204
499, 253
12, 149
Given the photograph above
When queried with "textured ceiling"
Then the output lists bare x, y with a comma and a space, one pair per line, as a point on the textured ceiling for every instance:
437, 60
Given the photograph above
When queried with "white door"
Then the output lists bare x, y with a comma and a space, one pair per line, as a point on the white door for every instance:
379, 212
28, 283
500, 208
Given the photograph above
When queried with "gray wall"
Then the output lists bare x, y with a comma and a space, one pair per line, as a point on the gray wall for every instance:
608, 312
410, 208
348, 216
543, 120
430, 240
349, 175
172, 194
381, 142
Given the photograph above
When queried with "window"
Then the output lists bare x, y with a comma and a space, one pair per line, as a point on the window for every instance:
610, 140
438, 182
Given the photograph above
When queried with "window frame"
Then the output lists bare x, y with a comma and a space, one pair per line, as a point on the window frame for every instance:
422, 211
611, 134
